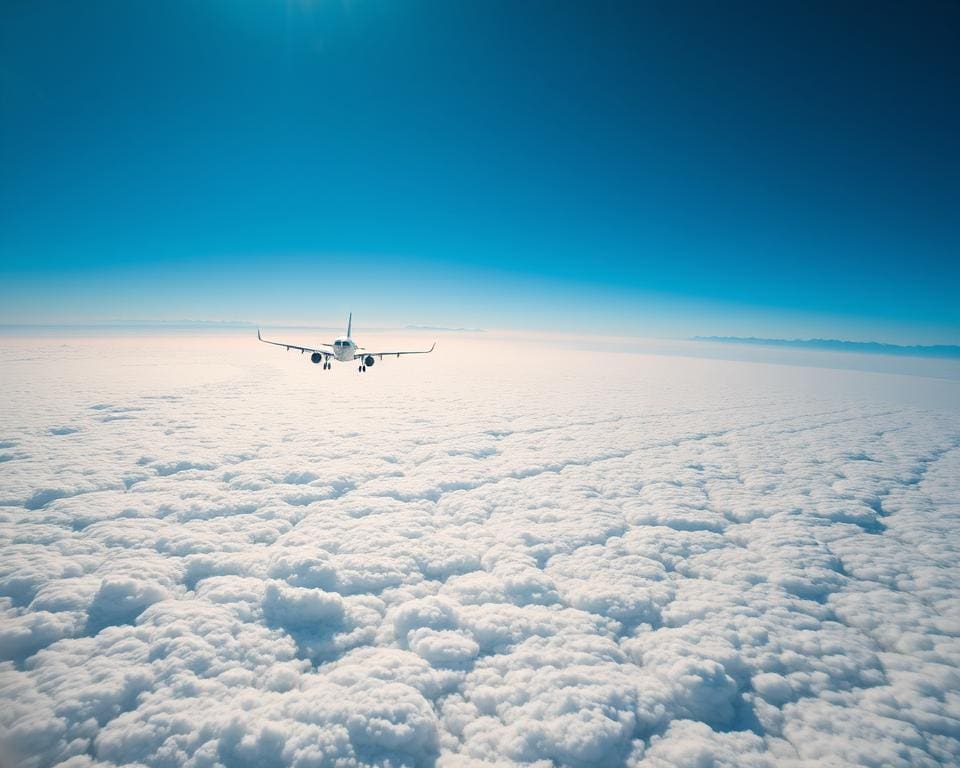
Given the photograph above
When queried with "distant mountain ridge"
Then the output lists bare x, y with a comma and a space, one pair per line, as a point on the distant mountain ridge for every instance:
837, 345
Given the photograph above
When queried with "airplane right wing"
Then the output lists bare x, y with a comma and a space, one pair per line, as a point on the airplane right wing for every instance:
328, 351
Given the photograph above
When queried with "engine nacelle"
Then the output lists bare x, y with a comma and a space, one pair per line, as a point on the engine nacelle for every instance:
316, 357
368, 361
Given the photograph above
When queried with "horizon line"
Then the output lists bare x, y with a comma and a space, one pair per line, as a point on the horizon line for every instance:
948, 351
842, 345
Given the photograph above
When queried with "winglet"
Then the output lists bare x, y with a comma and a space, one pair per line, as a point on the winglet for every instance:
432, 346
258, 335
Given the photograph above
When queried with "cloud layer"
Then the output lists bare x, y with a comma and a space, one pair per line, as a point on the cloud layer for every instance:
217, 557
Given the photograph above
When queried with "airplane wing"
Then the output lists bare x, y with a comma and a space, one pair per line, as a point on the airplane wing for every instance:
381, 355
327, 351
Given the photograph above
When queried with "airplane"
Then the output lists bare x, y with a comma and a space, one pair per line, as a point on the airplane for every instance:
344, 350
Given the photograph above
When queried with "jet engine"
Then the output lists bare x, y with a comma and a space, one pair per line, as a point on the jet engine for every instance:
316, 357
368, 361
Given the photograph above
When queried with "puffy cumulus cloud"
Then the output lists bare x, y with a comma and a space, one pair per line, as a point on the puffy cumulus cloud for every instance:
443, 647
570, 699
692, 744
212, 555
297, 607
321, 723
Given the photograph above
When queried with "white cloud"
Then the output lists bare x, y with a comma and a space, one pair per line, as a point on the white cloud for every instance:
629, 560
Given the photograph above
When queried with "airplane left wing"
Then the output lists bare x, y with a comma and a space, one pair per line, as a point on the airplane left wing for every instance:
364, 353
328, 351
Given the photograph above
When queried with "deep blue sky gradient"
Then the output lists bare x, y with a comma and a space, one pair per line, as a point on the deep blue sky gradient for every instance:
704, 168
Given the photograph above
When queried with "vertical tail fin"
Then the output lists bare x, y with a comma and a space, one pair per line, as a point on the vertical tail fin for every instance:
349, 324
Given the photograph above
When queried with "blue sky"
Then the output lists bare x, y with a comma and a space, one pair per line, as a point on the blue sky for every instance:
671, 169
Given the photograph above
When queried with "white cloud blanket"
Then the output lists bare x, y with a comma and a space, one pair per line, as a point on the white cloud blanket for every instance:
216, 555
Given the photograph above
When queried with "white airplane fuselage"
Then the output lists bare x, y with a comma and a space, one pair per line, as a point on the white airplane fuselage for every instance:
344, 349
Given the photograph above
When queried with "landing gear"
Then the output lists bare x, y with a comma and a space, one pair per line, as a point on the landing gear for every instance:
362, 368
